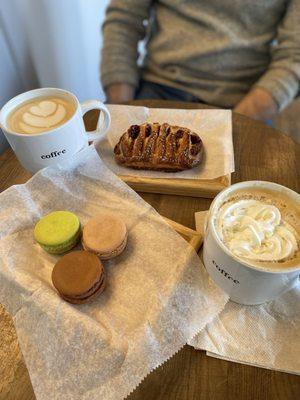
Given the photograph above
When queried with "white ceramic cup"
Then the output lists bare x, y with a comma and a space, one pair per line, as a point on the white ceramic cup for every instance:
244, 283
54, 146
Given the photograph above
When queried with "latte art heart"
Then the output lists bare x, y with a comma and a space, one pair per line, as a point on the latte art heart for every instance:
40, 115
45, 121
43, 109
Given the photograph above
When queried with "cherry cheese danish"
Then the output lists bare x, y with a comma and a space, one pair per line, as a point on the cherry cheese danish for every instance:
159, 147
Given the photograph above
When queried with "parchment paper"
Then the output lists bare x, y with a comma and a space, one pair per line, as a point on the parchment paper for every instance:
158, 294
266, 336
214, 127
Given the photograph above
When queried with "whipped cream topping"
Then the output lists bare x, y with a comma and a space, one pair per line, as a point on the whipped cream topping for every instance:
43, 114
255, 230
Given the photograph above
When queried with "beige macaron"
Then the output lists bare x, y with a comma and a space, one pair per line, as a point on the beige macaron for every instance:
105, 235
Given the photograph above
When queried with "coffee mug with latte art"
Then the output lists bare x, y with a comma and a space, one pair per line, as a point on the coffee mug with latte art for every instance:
45, 126
252, 241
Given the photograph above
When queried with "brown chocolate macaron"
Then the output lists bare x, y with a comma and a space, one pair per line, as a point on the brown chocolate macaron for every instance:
78, 277
105, 235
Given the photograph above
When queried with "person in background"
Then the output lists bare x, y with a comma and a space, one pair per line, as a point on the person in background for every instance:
242, 54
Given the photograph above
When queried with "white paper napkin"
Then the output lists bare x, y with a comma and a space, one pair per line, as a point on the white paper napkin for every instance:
158, 294
266, 336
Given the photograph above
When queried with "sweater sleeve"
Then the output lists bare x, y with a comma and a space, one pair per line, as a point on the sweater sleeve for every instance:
123, 28
282, 77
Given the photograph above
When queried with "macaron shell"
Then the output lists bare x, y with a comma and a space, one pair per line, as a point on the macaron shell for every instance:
56, 228
86, 299
91, 291
76, 273
104, 234
64, 247
111, 254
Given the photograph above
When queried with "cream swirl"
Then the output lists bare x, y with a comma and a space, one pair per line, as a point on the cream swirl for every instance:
255, 230
43, 114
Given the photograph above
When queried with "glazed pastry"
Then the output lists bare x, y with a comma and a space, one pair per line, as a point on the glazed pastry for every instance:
58, 232
79, 277
159, 147
105, 235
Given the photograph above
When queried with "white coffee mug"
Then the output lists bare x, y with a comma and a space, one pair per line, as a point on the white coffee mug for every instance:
55, 145
244, 283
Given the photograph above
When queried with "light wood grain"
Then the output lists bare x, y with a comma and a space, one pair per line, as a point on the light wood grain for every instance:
193, 237
260, 153
183, 187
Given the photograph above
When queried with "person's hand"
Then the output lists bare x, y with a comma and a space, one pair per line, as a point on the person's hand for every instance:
119, 92
257, 104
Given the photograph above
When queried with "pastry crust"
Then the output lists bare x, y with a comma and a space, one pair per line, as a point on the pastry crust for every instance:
159, 147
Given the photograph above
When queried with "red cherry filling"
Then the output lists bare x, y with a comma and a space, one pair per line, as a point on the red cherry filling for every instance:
179, 134
195, 139
195, 150
148, 131
134, 131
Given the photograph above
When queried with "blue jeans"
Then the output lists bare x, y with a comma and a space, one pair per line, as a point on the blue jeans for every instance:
150, 90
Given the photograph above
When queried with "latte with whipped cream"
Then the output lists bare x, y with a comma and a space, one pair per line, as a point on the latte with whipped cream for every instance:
261, 227
40, 115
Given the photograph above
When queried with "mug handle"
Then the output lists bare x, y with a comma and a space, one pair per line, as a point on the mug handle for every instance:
103, 123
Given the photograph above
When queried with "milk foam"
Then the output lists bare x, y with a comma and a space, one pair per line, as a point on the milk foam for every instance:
40, 114
256, 231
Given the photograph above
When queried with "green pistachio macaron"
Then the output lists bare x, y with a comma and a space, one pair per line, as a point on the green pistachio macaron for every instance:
58, 232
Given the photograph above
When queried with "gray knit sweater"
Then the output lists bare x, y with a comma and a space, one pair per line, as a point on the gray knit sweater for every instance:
214, 49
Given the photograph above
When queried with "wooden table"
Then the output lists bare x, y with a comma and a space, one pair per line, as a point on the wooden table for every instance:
260, 153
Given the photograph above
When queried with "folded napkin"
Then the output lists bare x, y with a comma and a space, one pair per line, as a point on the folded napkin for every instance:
158, 294
266, 336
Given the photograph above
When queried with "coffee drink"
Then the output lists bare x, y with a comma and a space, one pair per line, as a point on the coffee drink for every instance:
40, 115
45, 126
260, 227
